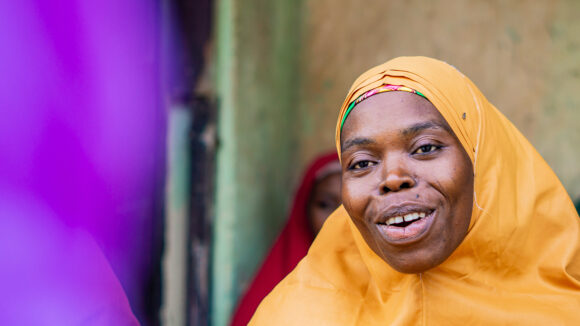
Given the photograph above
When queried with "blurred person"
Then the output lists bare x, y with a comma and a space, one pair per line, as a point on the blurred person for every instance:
317, 197
82, 138
53, 274
449, 215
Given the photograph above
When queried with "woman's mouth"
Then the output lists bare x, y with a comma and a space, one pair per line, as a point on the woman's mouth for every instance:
409, 226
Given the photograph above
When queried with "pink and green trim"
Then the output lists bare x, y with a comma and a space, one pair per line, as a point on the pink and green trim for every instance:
374, 91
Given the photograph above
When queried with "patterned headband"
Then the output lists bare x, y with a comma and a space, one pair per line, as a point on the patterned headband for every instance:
374, 91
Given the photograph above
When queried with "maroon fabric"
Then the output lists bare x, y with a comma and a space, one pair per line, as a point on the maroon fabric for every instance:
290, 247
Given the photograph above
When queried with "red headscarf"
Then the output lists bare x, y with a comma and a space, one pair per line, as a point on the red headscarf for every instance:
290, 247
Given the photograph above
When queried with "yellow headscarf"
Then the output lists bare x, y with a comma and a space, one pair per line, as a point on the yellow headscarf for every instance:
518, 264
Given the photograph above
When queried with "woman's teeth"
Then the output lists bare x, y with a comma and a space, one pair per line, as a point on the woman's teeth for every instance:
405, 218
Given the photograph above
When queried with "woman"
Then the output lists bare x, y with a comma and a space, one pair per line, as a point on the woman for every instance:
450, 216
317, 197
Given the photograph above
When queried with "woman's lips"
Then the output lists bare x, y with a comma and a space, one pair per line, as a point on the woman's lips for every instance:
412, 231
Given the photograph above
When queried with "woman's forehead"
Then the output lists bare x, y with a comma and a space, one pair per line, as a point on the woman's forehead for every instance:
402, 111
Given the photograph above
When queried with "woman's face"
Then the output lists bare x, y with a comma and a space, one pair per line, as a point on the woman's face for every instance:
407, 182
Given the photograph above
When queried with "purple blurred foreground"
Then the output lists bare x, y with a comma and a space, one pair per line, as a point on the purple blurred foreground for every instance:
81, 160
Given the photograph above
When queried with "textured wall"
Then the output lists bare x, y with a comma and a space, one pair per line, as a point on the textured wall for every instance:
523, 55
256, 77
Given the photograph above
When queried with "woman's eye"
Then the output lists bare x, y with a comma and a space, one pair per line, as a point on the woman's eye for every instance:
361, 165
426, 149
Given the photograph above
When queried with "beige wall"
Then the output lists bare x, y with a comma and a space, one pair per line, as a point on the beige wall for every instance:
523, 55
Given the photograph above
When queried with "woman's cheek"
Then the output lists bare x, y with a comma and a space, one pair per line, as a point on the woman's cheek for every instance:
351, 197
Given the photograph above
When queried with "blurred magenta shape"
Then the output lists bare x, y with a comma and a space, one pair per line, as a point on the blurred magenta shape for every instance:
81, 159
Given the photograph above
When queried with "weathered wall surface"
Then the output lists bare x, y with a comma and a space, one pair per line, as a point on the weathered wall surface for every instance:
256, 77
523, 55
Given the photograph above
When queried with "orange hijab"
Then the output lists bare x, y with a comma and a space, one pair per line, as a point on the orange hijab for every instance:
518, 264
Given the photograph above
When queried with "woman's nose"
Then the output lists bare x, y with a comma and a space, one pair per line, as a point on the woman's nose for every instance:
396, 177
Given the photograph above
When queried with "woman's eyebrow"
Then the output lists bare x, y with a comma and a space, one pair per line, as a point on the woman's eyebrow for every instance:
416, 128
356, 141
